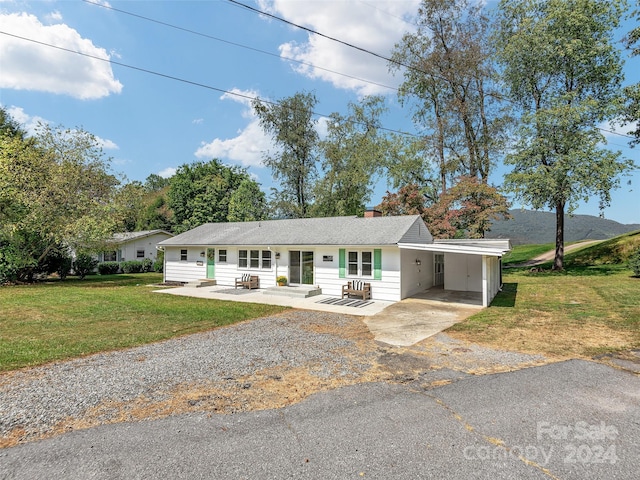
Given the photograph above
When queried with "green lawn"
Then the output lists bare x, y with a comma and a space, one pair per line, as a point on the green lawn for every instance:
522, 253
581, 312
58, 320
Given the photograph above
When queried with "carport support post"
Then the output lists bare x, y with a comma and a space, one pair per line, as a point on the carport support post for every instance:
486, 272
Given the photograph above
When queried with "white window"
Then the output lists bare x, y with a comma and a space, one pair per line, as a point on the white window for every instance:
360, 264
222, 256
140, 253
254, 259
109, 256
366, 266
183, 255
266, 259
242, 259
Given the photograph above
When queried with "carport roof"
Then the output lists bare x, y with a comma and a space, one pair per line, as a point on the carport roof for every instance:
495, 248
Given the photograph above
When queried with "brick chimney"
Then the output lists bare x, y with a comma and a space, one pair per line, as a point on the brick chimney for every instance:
371, 212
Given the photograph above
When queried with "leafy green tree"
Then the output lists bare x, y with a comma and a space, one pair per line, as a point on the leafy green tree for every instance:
247, 203
562, 70
631, 112
291, 124
354, 151
156, 183
201, 192
55, 192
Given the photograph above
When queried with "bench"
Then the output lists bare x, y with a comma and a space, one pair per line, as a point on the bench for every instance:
248, 281
357, 287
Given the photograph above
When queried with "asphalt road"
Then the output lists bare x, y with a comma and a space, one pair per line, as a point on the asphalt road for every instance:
568, 420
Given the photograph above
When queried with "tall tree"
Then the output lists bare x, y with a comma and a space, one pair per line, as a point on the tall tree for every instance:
291, 124
61, 194
631, 114
248, 203
450, 79
201, 192
563, 71
353, 151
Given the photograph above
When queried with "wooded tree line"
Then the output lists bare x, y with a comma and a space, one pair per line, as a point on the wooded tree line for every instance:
528, 85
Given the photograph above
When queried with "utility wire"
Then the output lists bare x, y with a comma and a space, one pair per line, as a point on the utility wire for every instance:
388, 59
183, 80
228, 42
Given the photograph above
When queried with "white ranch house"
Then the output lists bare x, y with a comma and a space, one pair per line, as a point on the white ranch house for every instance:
396, 255
134, 246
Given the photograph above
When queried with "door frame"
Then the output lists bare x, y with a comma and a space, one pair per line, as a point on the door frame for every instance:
211, 263
301, 266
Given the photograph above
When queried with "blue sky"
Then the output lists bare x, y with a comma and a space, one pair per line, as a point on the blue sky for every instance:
153, 124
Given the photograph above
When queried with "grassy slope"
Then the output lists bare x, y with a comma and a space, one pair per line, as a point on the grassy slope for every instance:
583, 311
58, 320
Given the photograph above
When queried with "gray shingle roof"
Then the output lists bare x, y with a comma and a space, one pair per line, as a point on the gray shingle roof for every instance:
127, 236
304, 231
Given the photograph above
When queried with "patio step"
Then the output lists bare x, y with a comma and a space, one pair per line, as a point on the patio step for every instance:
202, 283
298, 291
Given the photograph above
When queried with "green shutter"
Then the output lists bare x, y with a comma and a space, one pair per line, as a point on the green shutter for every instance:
377, 264
341, 270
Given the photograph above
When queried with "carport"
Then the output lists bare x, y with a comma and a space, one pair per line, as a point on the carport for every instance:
457, 265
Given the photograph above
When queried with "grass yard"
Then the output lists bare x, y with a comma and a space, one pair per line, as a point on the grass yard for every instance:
522, 253
59, 320
582, 312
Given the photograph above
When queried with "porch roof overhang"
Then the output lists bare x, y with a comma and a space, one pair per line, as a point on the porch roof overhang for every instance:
492, 248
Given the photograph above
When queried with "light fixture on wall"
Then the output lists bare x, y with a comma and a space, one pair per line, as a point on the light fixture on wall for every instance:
202, 253
418, 261
277, 255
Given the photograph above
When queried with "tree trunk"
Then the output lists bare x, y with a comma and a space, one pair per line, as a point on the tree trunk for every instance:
558, 261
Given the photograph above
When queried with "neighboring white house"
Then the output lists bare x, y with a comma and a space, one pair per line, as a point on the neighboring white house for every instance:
134, 246
397, 255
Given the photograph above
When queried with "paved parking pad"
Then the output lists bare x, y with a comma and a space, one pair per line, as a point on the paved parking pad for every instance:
478, 427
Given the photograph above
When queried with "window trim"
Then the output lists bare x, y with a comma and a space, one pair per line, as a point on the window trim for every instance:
184, 254
359, 263
222, 255
261, 259
138, 251
244, 258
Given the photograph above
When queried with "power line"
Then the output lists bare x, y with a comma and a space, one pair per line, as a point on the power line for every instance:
182, 80
390, 60
228, 42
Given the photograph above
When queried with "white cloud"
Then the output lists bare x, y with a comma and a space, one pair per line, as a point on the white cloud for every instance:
374, 27
55, 16
28, 122
167, 172
30, 66
248, 146
107, 144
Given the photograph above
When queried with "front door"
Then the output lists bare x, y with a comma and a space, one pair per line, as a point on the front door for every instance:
300, 267
211, 263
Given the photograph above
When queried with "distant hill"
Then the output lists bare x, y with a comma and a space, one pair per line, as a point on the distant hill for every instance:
535, 227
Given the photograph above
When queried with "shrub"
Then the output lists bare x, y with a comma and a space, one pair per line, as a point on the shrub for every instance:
108, 268
84, 264
131, 266
158, 265
147, 265
8, 264
64, 267
634, 263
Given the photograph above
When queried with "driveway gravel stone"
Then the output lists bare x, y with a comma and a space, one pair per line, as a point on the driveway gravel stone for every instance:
260, 364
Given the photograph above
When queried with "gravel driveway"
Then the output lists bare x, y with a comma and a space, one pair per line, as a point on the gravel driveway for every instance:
260, 364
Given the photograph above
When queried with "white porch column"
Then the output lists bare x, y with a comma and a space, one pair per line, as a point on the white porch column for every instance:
485, 281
